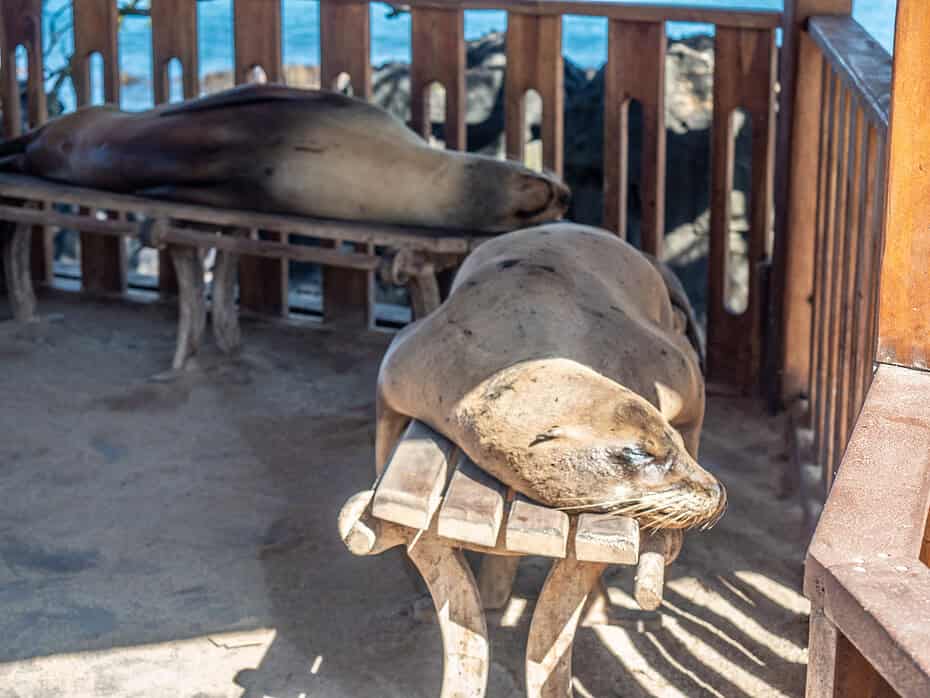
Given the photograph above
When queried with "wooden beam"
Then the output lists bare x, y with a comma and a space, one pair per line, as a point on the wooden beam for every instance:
904, 319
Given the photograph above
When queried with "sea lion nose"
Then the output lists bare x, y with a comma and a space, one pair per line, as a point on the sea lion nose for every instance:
563, 196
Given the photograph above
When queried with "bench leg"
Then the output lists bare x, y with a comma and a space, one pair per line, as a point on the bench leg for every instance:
495, 579
16, 267
424, 294
192, 307
552, 631
461, 618
225, 316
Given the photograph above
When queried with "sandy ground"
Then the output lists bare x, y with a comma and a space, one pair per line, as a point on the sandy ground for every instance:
179, 539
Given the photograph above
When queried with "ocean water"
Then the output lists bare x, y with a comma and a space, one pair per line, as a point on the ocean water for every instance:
584, 38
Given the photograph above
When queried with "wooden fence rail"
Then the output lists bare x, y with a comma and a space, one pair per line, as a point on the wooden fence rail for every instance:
745, 79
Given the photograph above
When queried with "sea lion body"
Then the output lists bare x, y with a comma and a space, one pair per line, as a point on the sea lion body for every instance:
284, 150
560, 366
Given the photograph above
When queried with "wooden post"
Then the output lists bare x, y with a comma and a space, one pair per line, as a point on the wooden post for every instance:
635, 71
796, 168
21, 25
257, 32
744, 77
174, 35
904, 311
96, 22
345, 47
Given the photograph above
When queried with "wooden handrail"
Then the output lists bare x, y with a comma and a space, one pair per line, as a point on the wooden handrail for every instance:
863, 568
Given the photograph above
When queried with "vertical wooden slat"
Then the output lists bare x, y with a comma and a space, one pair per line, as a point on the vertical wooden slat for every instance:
825, 266
878, 244
796, 169
847, 260
345, 47
257, 36
636, 71
837, 234
534, 62
174, 35
96, 22
21, 25
744, 76
438, 55
904, 321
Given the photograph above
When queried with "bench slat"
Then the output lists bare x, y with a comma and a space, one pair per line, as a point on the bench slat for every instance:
607, 538
410, 489
536, 530
473, 508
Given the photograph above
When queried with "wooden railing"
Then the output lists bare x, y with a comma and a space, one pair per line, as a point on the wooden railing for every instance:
854, 340
744, 78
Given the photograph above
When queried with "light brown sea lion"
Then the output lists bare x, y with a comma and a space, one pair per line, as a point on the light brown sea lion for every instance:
561, 367
285, 150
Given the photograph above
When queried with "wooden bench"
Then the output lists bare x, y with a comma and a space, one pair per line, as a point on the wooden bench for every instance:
412, 256
437, 503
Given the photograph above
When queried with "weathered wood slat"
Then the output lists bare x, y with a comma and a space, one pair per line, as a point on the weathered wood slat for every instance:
640, 12
257, 35
399, 236
438, 55
744, 77
96, 22
412, 484
904, 314
534, 62
473, 506
878, 166
825, 266
607, 538
174, 35
635, 71
536, 530
21, 25
834, 300
345, 47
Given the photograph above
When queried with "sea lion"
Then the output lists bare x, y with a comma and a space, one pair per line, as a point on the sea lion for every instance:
559, 364
286, 150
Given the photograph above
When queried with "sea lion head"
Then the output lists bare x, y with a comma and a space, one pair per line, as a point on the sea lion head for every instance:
630, 461
504, 195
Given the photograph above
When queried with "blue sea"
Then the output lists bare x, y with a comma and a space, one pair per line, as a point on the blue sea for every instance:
584, 38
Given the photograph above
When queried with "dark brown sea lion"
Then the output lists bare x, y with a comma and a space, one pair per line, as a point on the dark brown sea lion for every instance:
561, 367
285, 150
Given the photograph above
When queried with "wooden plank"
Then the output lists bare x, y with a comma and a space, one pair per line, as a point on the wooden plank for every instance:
825, 266
607, 538
635, 71
96, 23
744, 76
878, 244
834, 301
21, 25
796, 167
473, 507
438, 55
821, 664
796, 228
851, 251
439, 240
257, 34
534, 62
639, 12
174, 35
410, 489
345, 47
904, 315
535, 530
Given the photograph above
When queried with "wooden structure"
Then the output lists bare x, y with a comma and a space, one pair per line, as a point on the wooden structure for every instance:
745, 71
842, 325
435, 502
